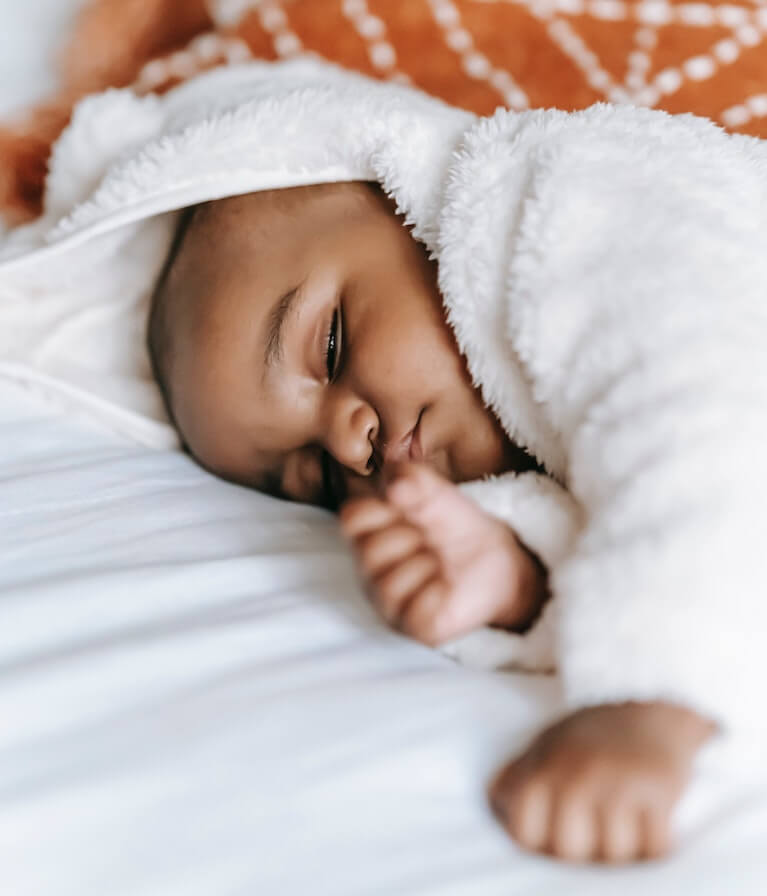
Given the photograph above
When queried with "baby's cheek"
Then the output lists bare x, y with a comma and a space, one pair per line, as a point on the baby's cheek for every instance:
478, 450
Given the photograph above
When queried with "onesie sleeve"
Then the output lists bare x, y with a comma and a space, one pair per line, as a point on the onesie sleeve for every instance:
643, 334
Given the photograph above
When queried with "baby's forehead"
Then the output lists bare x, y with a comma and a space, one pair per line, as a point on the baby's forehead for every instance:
235, 217
227, 238
273, 206
255, 233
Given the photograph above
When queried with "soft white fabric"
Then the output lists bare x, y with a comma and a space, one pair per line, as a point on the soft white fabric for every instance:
604, 273
197, 700
623, 284
621, 288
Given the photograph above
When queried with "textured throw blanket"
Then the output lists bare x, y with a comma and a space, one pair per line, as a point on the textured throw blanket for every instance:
703, 57
604, 272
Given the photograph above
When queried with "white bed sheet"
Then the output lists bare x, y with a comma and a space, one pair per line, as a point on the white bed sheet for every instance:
196, 699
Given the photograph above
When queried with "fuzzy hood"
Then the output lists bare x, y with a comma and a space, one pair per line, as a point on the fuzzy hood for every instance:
75, 285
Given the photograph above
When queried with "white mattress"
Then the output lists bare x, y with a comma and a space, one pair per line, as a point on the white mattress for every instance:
196, 699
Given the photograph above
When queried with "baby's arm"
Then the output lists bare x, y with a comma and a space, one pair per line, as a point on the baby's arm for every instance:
438, 565
602, 782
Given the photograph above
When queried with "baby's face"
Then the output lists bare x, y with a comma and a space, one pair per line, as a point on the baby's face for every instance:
311, 350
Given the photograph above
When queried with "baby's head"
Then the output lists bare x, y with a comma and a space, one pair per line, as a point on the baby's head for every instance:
300, 340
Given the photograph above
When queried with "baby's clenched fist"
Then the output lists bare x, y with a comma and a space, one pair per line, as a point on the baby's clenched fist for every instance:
436, 564
600, 785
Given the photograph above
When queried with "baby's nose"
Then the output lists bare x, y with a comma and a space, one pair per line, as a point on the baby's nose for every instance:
351, 436
362, 460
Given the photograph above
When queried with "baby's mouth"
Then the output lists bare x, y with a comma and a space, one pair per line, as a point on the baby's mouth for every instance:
415, 449
409, 446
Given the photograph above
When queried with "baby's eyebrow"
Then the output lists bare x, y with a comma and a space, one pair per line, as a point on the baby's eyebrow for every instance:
275, 331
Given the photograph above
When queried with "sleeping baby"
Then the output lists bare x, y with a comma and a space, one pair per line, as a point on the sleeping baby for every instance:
303, 349
523, 356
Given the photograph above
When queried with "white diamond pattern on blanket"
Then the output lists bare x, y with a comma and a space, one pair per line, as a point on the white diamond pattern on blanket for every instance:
475, 63
748, 29
645, 52
699, 56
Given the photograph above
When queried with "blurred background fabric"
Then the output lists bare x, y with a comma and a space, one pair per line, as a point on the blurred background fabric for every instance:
708, 58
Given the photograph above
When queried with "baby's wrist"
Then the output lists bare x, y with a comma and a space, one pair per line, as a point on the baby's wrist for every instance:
528, 590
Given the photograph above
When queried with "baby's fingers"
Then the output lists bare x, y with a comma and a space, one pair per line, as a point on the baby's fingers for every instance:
396, 586
363, 515
422, 616
382, 548
655, 822
524, 804
416, 491
622, 837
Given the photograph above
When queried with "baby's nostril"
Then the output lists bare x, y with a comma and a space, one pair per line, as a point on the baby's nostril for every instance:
373, 464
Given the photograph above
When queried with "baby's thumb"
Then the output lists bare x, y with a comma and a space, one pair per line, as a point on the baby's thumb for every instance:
415, 489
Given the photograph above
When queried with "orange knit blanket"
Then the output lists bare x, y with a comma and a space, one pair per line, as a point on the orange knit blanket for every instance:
704, 57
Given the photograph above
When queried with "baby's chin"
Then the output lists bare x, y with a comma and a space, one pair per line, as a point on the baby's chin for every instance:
467, 462
442, 463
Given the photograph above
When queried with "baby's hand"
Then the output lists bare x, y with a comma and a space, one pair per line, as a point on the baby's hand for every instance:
438, 566
600, 784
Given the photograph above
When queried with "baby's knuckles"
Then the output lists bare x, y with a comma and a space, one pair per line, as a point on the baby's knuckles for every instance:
593, 788
575, 832
590, 816
400, 582
360, 515
426, 618
378, 551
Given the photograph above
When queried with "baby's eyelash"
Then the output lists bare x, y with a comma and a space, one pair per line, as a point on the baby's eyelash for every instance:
332, 345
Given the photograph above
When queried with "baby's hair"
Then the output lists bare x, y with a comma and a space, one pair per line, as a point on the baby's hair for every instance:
159, 329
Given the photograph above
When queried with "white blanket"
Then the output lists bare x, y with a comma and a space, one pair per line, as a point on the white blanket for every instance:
604, 273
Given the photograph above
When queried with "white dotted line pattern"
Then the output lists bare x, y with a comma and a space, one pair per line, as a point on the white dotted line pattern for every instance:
744, 35
574, 47
275, 22
373, 31
201, 53
475, 64
639, 62
748, 29
229, 13
650, 12
753, 107
747, 26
